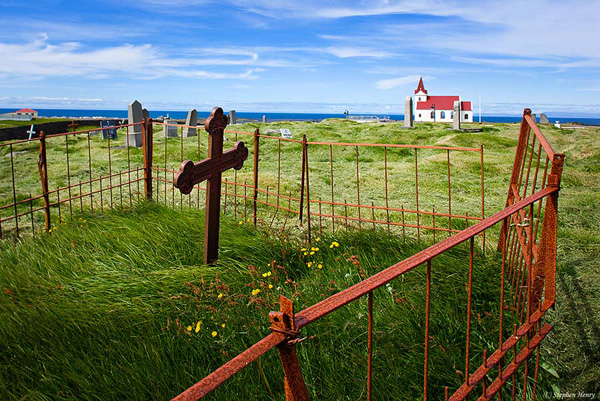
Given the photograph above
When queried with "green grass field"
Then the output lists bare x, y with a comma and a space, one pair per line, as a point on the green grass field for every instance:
108, 305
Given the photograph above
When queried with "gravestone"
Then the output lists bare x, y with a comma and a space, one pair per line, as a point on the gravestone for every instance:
110, 130
190, 121
408, 112
170, 131
134, 132
533, 117
285, 133
145, 114
264, 118
456, 115
544, 119
31, 132
232, 117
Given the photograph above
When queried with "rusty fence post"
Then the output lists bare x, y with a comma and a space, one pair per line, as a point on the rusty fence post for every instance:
302, 174
256, 153
305, 150
283, 322
43, 169
148, 138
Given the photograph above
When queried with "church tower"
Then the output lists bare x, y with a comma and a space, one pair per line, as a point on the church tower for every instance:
420, 92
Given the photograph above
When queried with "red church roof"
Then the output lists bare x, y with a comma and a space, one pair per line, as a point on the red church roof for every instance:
442, 103
25, 111
420, 88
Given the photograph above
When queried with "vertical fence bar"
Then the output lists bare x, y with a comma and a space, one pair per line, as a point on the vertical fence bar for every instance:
370, 348
387, 205
449, 194
307, 188
469, 301
417, 196
90, 173
30, 214
427, 310
373, 214
358, 190
110, 174
80, 198
255, 175
302, 173
332, 199
482, 198
58, 203
68, 175
43, 169
320, 218
14, 190
129, 171
148, 145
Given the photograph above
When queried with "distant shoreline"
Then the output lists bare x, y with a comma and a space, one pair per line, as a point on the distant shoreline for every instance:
277, 117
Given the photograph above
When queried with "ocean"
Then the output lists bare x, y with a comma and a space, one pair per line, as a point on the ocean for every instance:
256, 116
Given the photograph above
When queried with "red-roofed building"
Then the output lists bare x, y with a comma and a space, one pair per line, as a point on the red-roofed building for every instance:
27, 112
439, 108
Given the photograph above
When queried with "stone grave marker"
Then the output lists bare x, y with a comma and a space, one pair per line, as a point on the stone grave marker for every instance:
170, 131
134, 132
145, 113
456, 116
211, 169
190, 121
264, 118
285, 133
544, 119
408, 112
534, 117
232, 117
110, 130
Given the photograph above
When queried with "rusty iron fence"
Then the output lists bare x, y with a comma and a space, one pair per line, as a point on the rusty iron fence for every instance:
296, 182
53, 176
526, 277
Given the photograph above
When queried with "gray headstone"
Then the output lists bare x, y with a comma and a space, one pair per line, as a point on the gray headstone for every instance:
264, 118
232, 117
134, 132
456, 116
110, 130
544, 119
190, 121
534, 117
408, 112
170, 131
145, 113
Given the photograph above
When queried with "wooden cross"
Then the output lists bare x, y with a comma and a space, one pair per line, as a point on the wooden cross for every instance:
210, 169
73, 125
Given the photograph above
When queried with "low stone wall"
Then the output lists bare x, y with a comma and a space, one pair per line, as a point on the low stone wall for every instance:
57, 127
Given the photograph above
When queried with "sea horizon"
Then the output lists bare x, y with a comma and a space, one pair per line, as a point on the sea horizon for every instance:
281, 116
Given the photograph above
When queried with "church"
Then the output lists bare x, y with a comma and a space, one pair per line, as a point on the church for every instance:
439, 108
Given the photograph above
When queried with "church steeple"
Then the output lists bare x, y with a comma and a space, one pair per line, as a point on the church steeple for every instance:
420, 88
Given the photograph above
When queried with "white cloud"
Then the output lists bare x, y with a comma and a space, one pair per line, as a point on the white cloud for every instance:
346, 52
400, 81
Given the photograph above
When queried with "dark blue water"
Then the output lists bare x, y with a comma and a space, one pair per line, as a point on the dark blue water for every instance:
77, 113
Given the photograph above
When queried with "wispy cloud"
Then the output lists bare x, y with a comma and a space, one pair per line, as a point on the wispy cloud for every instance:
392, 83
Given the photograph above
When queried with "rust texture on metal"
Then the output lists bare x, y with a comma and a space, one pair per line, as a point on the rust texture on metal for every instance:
43, 169
147, 149
211, 169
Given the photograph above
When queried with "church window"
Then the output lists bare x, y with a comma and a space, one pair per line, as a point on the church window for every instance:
443, 115
466, 116
433, 114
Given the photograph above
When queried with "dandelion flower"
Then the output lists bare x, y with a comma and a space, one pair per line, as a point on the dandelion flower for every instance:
270, 286
220, 295
198, 326
256, 291
320, 266
309, 264
189, 328
305, 253
214, 334
249, 221
334, 244
240, 223
318, 239
312, 253
267, 274
223, 325
303, 249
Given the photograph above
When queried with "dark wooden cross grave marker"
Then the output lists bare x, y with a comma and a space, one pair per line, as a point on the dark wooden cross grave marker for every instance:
210, 169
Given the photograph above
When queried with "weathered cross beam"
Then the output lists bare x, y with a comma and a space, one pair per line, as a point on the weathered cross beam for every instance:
210, 169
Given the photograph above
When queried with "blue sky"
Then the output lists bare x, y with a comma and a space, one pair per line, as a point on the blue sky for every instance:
300, 56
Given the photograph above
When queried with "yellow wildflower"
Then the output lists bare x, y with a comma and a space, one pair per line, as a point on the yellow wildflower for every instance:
249, 221
320, 266
334, 244
220, 295
303, 249
305, 253
318, 239
198, 326
240, 223
223, 325
309, 264
312, 253
270, 286
214, 334
256, 291
189, 328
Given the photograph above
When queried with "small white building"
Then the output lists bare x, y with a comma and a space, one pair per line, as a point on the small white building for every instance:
439, 108
20, 115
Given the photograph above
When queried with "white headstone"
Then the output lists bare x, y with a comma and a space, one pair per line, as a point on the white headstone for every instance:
456, 115
31, 132
264, 118
135, 116
285, 133
170, 131
191, 121
408, 112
